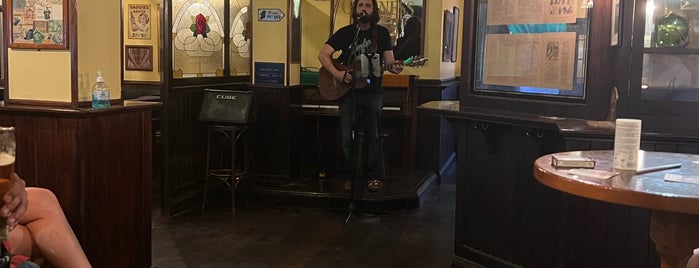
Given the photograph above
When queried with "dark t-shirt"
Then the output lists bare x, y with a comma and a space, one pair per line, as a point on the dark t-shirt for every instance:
375, 40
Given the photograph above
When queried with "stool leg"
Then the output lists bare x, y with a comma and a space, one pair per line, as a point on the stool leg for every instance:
234, 186
206, 166
246, 167
234, 180
203, 202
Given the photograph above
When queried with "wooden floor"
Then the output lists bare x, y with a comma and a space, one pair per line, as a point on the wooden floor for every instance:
287, 235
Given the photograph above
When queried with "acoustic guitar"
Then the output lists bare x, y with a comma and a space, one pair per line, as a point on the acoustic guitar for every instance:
333, 89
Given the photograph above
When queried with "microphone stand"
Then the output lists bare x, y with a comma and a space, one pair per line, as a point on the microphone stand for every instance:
353, 51
357, 155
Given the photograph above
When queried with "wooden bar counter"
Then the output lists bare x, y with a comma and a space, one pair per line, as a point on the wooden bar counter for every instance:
98, 163
506, 218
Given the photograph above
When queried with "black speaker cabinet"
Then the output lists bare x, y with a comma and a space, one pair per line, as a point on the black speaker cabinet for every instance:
226, 106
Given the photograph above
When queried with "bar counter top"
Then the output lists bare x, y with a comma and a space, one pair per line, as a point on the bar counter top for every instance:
128, 105
570, 127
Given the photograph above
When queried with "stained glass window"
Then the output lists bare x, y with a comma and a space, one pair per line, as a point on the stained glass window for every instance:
241, 35
198, 38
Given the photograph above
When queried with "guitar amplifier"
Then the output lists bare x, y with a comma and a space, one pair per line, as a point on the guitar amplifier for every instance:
226, 106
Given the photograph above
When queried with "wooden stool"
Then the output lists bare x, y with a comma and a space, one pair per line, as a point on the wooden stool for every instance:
230, 175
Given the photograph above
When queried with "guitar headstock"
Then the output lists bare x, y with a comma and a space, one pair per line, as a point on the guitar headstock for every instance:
415, 61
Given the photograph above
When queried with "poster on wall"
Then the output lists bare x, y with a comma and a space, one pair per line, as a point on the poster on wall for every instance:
38, 24
502, 12
509, 60
139, 21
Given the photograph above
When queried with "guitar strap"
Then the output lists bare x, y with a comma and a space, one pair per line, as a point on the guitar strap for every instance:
374, 39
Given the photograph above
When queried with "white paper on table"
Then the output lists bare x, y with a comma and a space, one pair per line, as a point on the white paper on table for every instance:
593, 173
680, 178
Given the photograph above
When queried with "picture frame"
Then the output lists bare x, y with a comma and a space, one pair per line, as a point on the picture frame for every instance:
455, 35
447, 35
37, 24
138, 58
140, 18
616, 23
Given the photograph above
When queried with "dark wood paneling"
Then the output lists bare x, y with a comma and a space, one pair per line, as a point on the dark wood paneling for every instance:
276, 134
98, 163
435, 143
184, 146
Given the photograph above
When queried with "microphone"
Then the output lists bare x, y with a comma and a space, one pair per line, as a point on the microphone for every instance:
361, 16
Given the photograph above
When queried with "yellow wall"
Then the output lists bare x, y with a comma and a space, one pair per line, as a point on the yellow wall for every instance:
342, 14
315, 30
39, 75
45, 75
150, 76
98, 46
269, 39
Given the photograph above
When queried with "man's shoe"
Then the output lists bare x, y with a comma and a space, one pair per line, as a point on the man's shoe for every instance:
375, 185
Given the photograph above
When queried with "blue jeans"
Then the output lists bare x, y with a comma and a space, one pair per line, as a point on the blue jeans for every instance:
366, 116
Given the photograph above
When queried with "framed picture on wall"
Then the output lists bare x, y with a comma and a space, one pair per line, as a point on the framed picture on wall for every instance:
37, 24
616, 23
139, 21
447, 35
139, 58
455, 35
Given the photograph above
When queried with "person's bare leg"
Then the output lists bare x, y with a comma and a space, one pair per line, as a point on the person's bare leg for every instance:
694, 260
43, 231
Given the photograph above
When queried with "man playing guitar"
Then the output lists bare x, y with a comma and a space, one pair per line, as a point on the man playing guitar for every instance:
365, 46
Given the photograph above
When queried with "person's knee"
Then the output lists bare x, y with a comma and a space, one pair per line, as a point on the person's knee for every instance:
694, 259
42, 197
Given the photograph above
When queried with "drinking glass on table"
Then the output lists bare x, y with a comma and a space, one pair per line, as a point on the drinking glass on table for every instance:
7, 163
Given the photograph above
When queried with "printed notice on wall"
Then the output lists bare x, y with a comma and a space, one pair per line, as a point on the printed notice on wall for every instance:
501, 12
139, 21
543, 60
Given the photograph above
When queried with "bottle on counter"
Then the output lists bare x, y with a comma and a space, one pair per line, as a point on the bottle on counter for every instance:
100, 92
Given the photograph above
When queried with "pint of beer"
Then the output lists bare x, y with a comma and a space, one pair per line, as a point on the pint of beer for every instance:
7, 163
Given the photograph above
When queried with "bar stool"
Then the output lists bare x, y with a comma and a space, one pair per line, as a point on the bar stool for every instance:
383, 134
233, 174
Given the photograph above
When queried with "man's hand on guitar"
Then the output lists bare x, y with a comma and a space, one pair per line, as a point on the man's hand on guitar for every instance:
396, 67
341, 75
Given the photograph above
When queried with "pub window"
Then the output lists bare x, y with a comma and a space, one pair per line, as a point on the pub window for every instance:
532, 49
207, 32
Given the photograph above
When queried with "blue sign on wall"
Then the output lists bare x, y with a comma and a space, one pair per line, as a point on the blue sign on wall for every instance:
269, 73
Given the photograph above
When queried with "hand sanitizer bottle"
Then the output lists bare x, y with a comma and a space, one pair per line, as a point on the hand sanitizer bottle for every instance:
100, 93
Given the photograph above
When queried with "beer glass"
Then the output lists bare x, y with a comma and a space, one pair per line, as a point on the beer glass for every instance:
7, 163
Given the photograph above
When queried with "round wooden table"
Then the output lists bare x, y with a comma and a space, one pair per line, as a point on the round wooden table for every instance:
674, 226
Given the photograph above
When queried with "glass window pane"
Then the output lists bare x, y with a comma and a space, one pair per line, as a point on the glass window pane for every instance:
670, 77
530, 51
241, 37
198, 38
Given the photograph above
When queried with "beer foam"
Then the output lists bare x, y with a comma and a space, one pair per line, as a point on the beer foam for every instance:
6, 159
